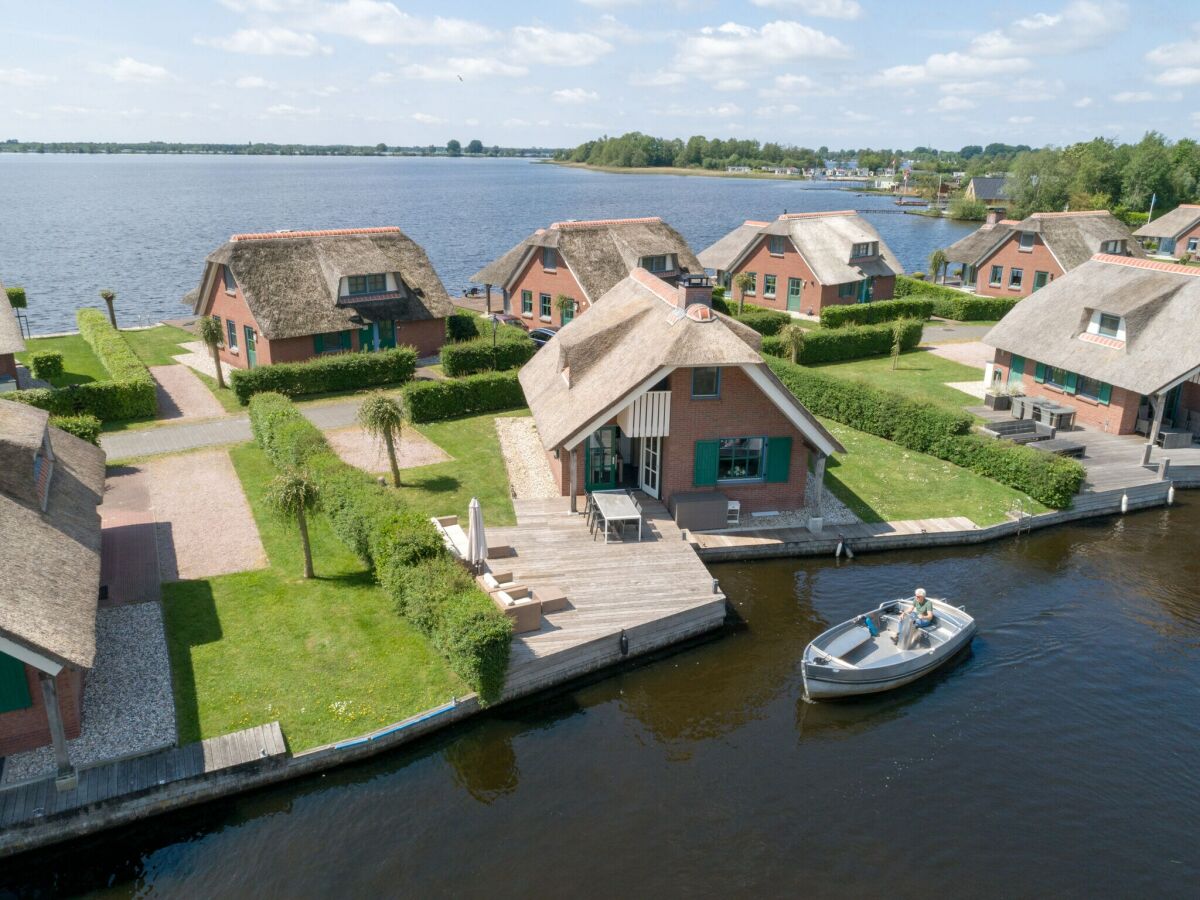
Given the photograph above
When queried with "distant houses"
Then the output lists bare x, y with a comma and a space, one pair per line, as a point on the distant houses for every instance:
289, 296
1173, 234
1007, 258
581, 261
989, 190
803, 262
1116, 338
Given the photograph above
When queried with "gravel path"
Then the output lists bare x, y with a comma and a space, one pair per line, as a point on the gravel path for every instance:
528, 469
127, 701
181, 395
204, 523
199, 357
357, 448
975, 354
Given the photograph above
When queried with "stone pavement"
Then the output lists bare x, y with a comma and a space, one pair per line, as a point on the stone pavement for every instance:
181, 395
939, 331
975, 354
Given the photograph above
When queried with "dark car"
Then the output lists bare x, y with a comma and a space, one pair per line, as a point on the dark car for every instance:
541, 336
509, 319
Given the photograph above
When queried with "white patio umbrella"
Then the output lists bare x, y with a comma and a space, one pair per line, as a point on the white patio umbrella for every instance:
476, 539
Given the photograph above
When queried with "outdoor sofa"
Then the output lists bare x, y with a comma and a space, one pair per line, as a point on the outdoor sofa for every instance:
1019, 431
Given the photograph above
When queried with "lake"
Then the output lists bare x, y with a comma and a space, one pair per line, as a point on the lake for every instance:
143, 225
1058, 757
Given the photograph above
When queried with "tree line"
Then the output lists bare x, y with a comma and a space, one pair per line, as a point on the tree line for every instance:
266, 149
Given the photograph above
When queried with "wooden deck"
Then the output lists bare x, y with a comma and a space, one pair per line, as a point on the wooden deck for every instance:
35, 801
850, 533
656, 591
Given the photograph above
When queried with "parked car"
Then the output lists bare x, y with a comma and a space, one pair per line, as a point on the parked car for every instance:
541, 336
509, 319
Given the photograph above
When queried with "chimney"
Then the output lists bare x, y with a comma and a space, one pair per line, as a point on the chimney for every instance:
692, 289
993, 216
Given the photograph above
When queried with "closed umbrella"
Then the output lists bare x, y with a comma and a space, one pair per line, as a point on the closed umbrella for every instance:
476, 539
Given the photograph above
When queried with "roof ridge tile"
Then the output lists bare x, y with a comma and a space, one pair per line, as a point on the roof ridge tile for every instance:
328, 232
1136, 263
595, 223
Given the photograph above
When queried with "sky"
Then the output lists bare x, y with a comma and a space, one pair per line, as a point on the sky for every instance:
841, 73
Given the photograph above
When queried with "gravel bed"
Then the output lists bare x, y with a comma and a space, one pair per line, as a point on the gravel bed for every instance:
359, 449
127, 702
528, 469
199, 357
835, 513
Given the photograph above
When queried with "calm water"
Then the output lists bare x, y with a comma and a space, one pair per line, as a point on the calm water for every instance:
143, 225
1057, 758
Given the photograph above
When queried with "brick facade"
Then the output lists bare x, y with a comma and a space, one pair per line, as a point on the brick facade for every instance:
28, 729
538, 280
1118, 416
814, 296
1010, 256
8, 365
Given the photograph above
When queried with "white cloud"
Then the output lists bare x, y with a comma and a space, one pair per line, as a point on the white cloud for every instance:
1083, 103
971, 88
130, 71
1179, 76
23, 78
253, 82
558, 48
731, 84
274, 41
515, 123
376, 22
724, 111
1183, 53
772, 111
955, 103
1019, 120
656, 79
829, 9
288, 111
461, 68
950, 66
573, 95
1079, 25
733, 51
427, 119
1132, 97
382, 78
327, 91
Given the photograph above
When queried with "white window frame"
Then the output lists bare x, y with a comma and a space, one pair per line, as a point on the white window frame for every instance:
996, 276
773, 241
1024, 247
1016, 278
773, 282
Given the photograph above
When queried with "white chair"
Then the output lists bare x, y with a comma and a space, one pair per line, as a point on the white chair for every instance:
733, 513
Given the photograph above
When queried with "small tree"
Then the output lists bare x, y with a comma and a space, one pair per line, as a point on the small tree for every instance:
294, 494
383, 416
566, 307
453, 147
743, 281
897, 340
109, 297
937, 264
793, 337
211, 334
16, 297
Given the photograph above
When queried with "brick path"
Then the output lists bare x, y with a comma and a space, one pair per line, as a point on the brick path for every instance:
181, 395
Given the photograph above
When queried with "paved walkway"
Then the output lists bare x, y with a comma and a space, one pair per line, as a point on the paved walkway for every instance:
181, 395
975, 354
128, 547
940, 331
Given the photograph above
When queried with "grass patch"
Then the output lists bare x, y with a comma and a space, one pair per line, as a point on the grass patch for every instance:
80, 364
328, 657
476, 470
158, 346
919, 374
883, 482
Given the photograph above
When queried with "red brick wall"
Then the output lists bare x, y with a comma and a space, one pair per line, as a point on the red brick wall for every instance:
1010, 256
233, 306
8, 365
1119, 416
537, 280
1182, 243
427, 335
27, 729
813, 297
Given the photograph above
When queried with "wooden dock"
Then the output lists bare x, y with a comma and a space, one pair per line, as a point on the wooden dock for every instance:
656, 591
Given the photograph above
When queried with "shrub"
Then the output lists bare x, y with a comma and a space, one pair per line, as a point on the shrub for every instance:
767, 322
824, 345
873, 313
926, 428
463, 326
341, 372
85, 427
46, 364
512, 350
958, 305
429, 401
16, 297
411, 564
966, 209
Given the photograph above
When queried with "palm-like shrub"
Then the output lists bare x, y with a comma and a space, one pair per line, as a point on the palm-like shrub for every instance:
743, 281
792, 337
383, 417
294, 494
210, 332
938, 263
109, 298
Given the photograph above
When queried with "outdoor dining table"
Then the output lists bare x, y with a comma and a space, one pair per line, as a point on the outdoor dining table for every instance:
617, 507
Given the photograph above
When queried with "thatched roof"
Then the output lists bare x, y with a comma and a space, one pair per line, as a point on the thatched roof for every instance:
599, 361
982, 240
1183, 218
720, 256
291, 279
50, 561
1160, 303
599, 253
10, 329
1073, 237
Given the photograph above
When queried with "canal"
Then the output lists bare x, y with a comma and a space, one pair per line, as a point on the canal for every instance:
1057, 757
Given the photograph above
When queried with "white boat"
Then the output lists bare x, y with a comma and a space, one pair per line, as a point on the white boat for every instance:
882, 649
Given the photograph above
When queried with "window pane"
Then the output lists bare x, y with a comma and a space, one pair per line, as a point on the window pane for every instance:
1026, 240
769, 285
706, 381
740, 458
1014, 277
527, 302
1089, 387
544, 304
230, 284
548, 258
996, 276
376, 284
1109, 325
753, 289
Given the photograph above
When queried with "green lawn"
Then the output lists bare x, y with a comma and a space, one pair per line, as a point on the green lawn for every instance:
158, 346
882, 482
80, 364
918, 374
476, 470
329, 658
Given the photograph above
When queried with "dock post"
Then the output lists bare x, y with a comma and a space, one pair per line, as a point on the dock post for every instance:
1146, 454
1164, 466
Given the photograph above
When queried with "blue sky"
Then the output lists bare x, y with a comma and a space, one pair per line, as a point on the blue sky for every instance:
810, 72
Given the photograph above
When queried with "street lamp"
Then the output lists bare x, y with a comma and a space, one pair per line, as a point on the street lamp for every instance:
495, 328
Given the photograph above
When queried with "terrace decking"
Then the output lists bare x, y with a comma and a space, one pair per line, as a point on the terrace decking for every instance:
656, 591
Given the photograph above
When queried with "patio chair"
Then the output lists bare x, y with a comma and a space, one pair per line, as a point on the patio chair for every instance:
521, 608
491, 582
627, 524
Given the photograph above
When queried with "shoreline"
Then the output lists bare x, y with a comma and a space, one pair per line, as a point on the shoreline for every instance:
676, 170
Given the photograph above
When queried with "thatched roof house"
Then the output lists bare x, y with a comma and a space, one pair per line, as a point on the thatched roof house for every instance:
1176, 232
986, 237
989, 189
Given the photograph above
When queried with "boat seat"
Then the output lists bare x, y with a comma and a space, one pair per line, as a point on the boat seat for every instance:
849, 641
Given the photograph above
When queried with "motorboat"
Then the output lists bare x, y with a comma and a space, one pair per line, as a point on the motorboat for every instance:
883, 649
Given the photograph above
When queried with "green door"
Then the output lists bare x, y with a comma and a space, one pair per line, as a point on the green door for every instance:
795, 287
366, 339
867, 289
600, 471
251, 354
1016, 370
387, 334
1040, 279
14, 685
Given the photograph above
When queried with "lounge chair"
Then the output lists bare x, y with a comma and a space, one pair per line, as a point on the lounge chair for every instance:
491, 582
521, 607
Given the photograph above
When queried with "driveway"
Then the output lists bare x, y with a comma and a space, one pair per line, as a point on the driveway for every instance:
181, 395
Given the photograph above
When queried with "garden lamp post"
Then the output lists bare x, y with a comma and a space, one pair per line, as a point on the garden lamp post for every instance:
495, 329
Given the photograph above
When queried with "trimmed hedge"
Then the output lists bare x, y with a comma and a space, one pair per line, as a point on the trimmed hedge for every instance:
925, 428
463, 326
341, 372
85, 427
16, 297
765, 321
822, 345
873, 313
429, 401
411, 564
46, 364
958, 305
512, 350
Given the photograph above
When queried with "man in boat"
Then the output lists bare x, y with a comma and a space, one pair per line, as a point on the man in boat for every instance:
922, 611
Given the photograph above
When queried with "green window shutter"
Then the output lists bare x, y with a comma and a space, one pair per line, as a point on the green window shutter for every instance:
1105, 394
779, 457
14, 685
1039, 374
1072, 381
1018, 365
344, 340
318, 343
705, 472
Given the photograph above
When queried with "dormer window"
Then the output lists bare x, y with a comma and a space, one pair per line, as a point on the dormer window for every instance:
357, 285
1116, 247
858, 251
656, 263
1109, 326
230, 283
549, 258
775, 244
1027, 240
